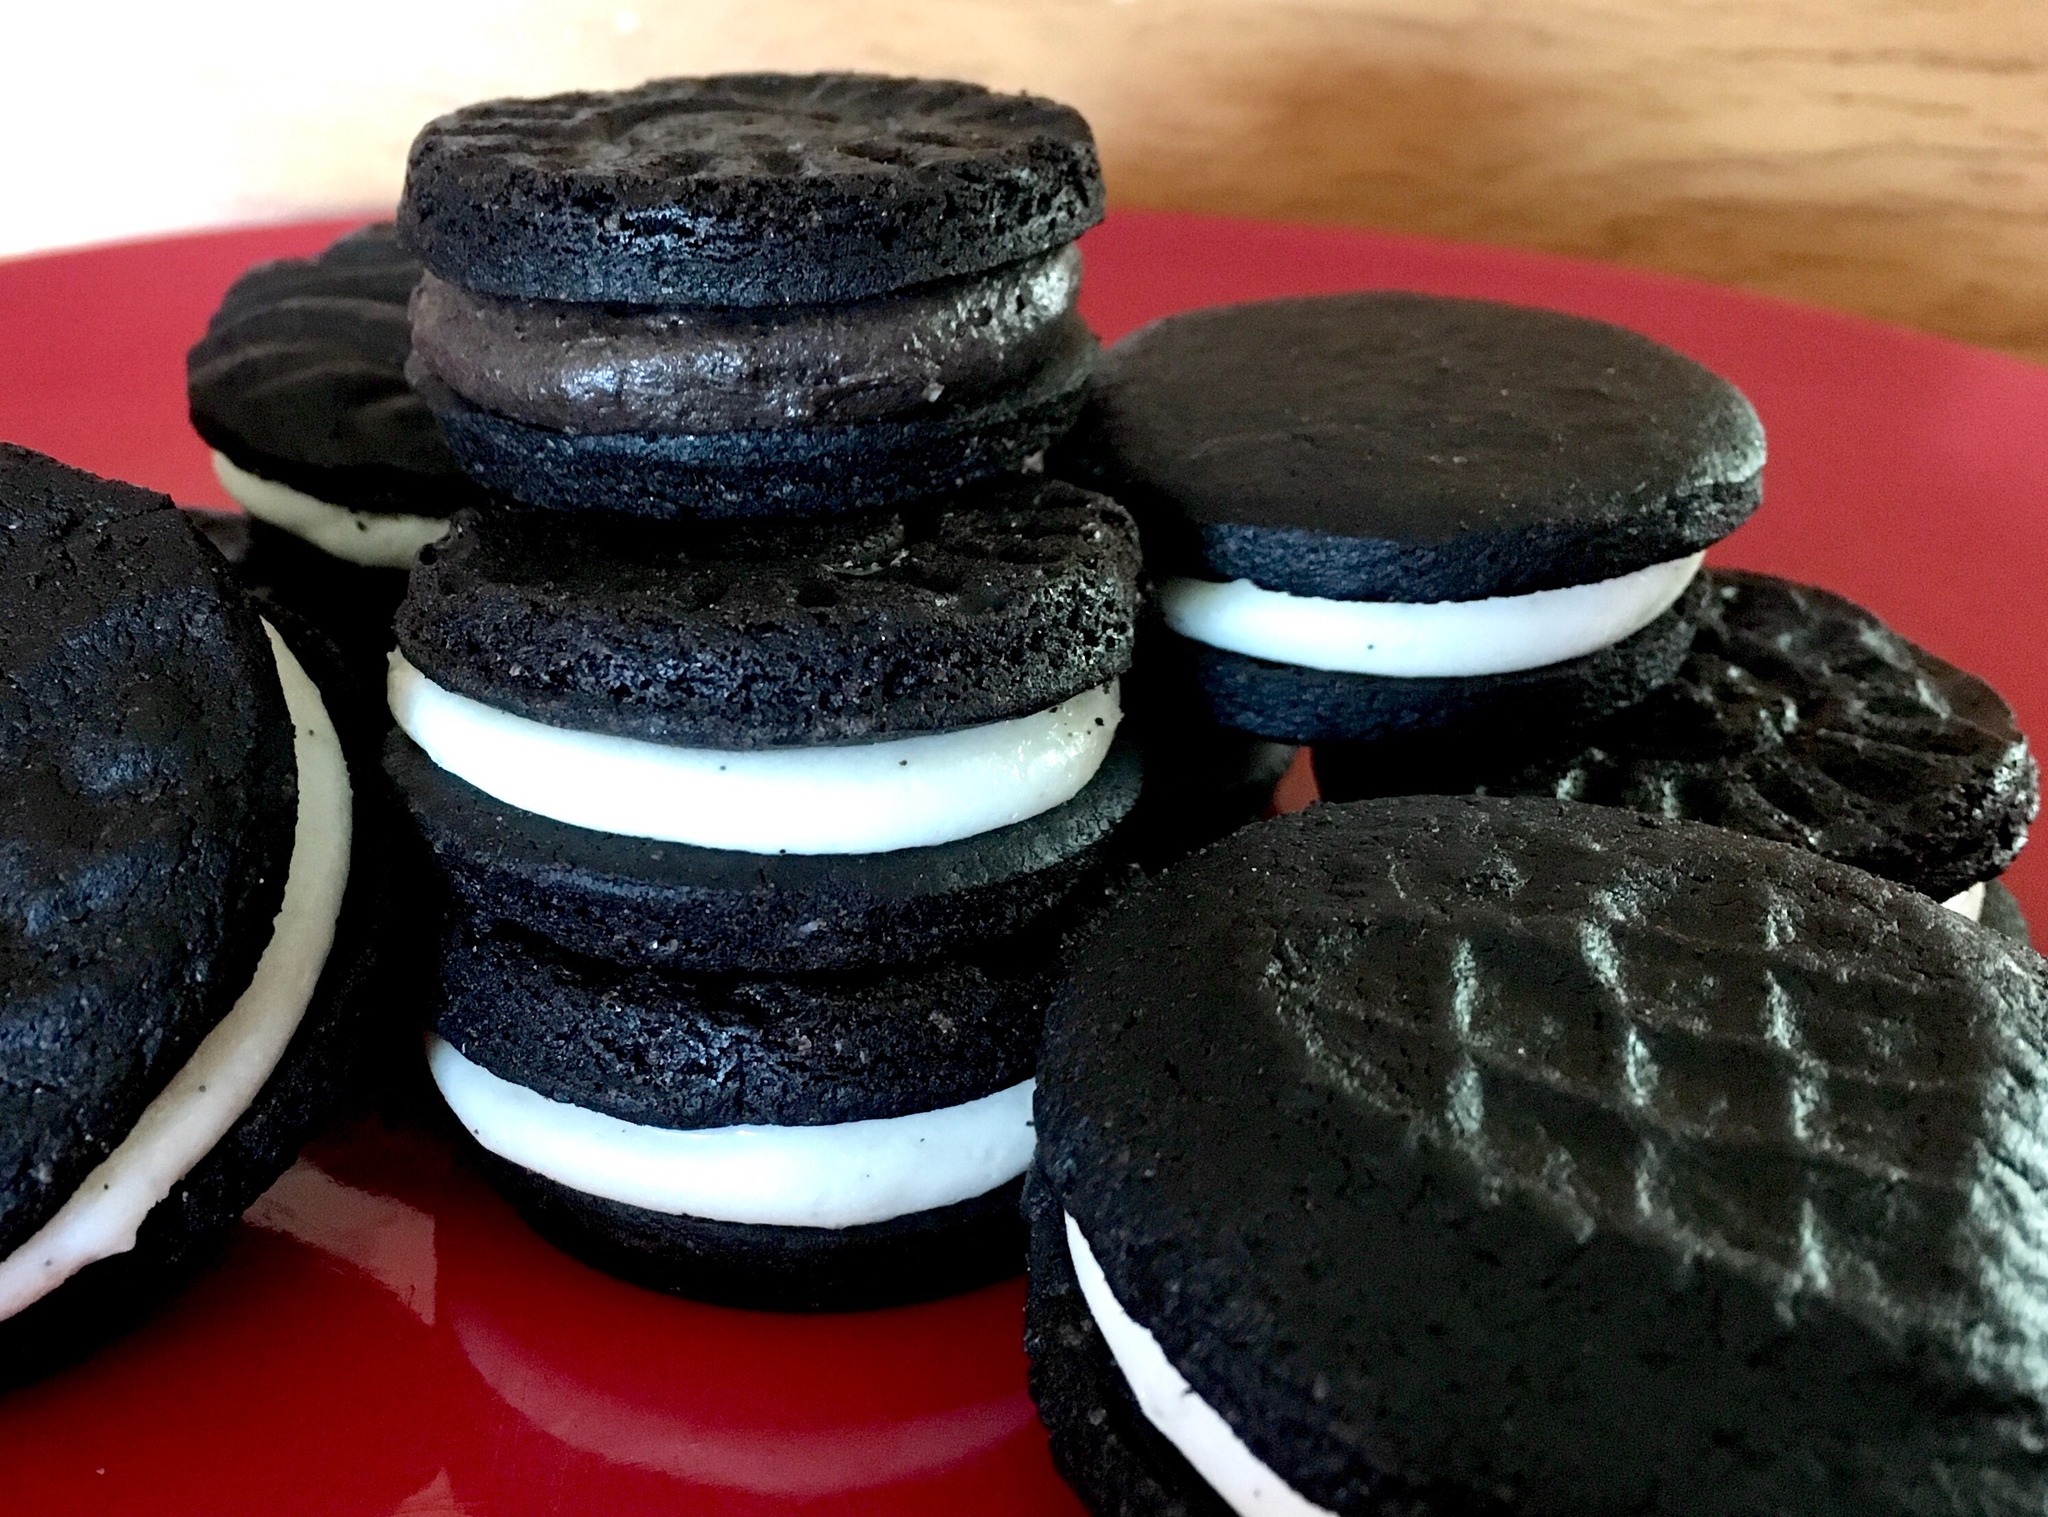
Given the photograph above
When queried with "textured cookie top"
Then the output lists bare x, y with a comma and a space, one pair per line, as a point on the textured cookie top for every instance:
1414, 448
1594, 1160
746, 189
147, 800
300, 378
713, 1051
1801, 717
987, 606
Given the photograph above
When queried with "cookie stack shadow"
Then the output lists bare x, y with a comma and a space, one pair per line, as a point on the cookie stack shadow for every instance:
762, 728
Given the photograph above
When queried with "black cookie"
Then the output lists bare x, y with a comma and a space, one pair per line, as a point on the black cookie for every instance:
665, 1050
300, 379
632, 901
181, 1233
1101, 1443
746, 189
1405, 447
2002, 915
147, 789
1291, 704
1675, 1140
351, 604
1798, 716
982, 607
779, 472
915, 1258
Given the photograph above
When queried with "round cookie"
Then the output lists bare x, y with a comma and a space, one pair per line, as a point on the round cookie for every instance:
1675, 1137
1100, 1441
969, 610
300, 380
746, 189
158, 802
1798, 716
147, 849
690, 1051
768, 473
1388, 513
1414, 448
627, 1113
299, 387
625, 899
356, 990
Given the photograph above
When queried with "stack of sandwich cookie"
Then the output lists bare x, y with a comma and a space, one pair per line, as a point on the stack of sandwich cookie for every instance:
753, 294
765, 771
1387, 513
299, 388
186, 920
1458, 1155
1798, 716
758, 835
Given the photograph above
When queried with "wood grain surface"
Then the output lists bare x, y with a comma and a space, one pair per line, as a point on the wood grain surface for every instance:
1884, 156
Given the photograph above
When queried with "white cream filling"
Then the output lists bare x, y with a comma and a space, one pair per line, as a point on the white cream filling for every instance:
840, 1174
908, 792
1968, 903
374, 539
205, 1098
1208, 1443
1413, 640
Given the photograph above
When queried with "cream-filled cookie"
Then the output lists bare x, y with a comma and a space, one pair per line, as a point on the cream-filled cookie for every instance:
1463, 1154
190, 907
1387, 514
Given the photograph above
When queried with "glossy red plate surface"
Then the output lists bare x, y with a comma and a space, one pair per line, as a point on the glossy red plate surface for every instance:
384, 1337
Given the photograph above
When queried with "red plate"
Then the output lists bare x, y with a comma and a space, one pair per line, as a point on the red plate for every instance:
384, 1337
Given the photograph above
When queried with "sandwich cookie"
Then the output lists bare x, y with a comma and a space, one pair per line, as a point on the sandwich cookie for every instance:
1511, 1155
1798, 716
799, 1142
633, 900
1387, 513
939, 682
188, 922
750, 295
299, 388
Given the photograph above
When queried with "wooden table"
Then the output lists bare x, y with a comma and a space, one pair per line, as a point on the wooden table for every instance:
1883, 156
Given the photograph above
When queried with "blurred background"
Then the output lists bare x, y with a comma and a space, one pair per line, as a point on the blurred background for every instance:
1882, 156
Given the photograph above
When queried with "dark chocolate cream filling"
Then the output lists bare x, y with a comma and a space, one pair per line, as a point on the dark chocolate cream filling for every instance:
611, 368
